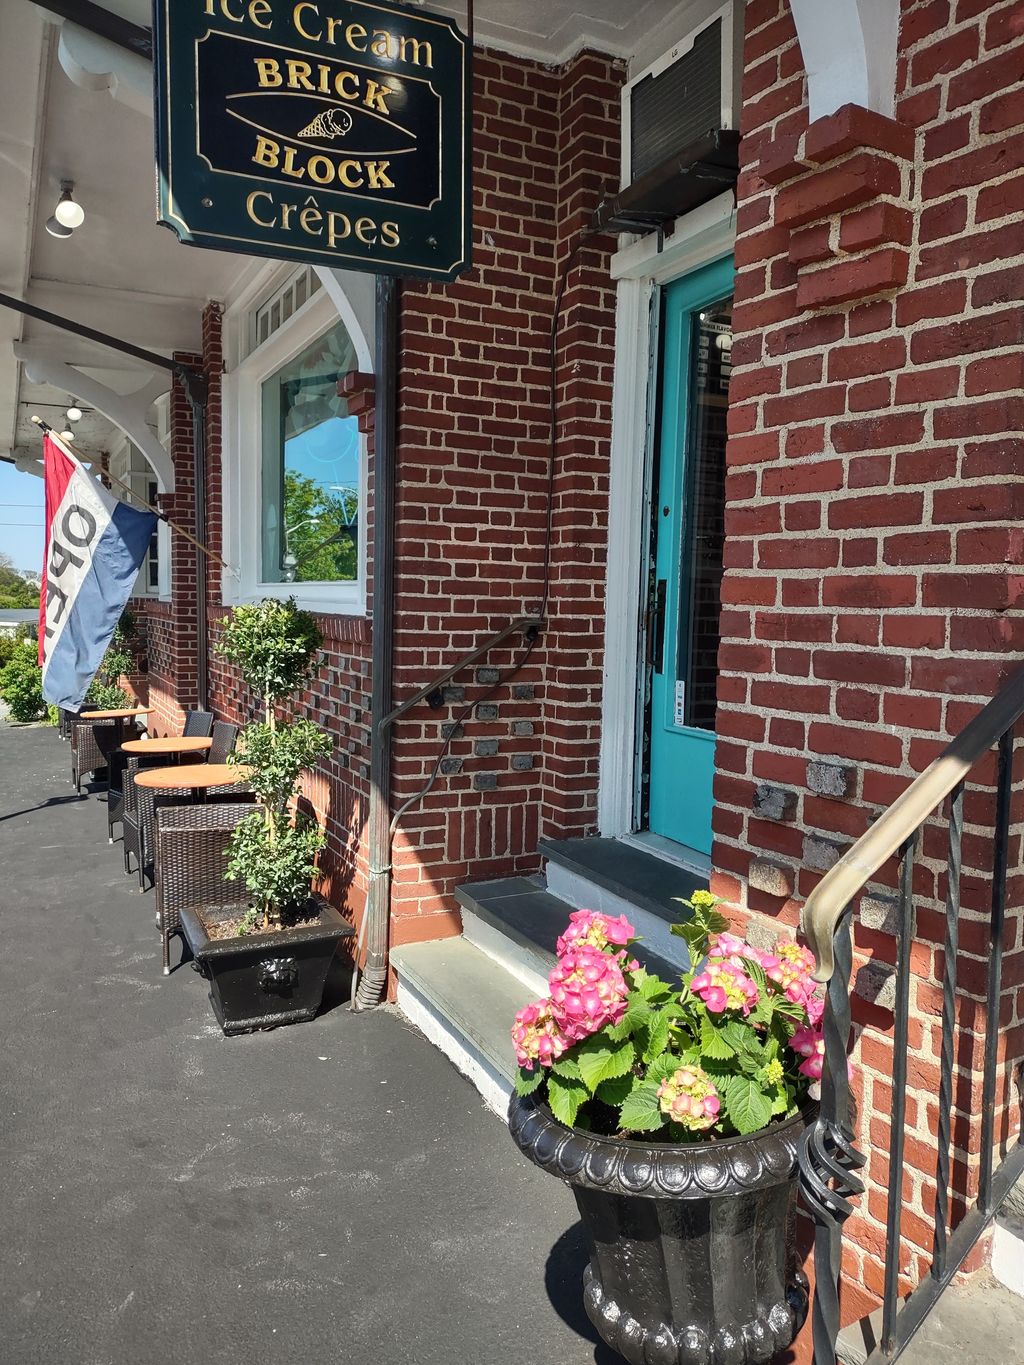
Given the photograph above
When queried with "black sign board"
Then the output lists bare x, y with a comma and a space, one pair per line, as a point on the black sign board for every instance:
333, 133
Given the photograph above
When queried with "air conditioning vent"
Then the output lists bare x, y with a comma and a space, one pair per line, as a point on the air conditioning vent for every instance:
689, 94
679, 105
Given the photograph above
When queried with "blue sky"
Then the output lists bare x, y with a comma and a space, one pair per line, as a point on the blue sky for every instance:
21, 517
328, 453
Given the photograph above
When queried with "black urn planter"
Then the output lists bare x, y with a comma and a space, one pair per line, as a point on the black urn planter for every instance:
261, 981
693, 1258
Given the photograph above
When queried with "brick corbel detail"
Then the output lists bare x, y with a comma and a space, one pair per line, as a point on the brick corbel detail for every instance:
359, 392
844, 190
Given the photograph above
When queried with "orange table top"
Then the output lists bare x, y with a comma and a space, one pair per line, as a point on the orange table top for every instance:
172, 744
115, 715
197, 775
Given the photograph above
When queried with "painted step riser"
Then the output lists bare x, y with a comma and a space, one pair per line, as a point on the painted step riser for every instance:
460, 1049
581, 894
518, 959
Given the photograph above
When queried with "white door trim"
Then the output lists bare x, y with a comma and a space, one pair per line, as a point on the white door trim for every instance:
702, 236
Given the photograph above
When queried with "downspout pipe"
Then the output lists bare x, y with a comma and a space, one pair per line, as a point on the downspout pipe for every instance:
373, 981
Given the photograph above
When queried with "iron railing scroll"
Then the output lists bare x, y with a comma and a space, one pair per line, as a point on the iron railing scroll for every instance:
829, 1159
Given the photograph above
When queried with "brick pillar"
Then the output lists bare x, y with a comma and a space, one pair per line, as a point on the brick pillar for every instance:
574, 640
875, 496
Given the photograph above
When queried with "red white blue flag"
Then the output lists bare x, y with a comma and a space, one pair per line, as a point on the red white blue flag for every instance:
95, 546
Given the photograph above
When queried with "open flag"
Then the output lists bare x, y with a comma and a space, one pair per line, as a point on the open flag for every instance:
95, 546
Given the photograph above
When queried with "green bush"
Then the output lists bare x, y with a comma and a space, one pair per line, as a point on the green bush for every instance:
8, 649
106, 697
274, 646
21, 683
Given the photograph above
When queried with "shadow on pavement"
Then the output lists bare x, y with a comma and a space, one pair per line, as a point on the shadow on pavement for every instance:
563, 1279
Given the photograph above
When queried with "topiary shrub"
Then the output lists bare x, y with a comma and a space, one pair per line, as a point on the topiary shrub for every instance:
275, 646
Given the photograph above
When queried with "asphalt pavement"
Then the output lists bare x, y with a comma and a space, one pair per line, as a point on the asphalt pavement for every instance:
330, 1191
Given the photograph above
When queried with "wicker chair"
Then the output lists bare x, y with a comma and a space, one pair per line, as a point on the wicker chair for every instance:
65, 722
137, 820
198, 724
224, 737
92, 745
191, 858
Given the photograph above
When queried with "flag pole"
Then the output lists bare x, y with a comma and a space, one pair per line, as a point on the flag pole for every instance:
162, 516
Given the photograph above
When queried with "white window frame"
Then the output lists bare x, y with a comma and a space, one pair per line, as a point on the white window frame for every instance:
162, 407
130, 466
243, 451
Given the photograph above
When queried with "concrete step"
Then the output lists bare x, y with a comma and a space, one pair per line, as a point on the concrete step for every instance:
464, 1002
517, 922
622, 879
973, 1322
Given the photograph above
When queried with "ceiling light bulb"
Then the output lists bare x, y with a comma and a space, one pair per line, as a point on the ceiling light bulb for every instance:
68, 213
56, 229
67, 436
74, 412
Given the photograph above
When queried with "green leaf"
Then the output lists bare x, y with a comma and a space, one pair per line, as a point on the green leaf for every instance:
598, 1062
529, 1081
749, 1110
567, 1067
565, 1098
658, 1033
652, 988
714, 1042
641, 1112
667, 1065
615, 1092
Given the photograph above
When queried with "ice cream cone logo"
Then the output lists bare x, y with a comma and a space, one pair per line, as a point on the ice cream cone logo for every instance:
330, 124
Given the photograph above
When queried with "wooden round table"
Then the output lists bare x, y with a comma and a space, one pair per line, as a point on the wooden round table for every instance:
201, 777
172, 746
126, 714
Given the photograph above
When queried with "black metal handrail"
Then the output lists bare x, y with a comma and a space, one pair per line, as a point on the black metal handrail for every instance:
829, 1158
522, 623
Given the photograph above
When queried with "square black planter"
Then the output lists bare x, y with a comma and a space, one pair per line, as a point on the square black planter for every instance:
262, 981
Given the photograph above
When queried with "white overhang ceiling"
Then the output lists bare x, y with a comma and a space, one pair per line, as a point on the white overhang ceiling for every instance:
120, 272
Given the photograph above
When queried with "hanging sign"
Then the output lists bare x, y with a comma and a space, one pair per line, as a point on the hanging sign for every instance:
333, 133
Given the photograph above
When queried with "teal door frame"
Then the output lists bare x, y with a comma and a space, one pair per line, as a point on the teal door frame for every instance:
681, 757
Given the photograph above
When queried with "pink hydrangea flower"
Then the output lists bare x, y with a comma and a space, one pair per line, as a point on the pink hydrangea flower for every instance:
815, 1007
790, 967
588, 991
732, 948
690, 1099
536, 1037
723, 986
592, 929
809, 1043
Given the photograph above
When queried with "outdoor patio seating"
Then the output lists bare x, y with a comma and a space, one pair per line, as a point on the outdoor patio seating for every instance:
92, 745
137, 819
198, 724
191, 855
224, 737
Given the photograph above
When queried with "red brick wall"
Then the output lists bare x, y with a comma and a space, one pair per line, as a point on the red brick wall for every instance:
874, 507
471, 517
472, 513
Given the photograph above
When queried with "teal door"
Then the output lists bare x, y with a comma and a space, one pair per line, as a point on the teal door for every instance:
687, 548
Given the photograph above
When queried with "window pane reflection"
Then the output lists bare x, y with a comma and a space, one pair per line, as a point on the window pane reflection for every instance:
700, 598
311, 451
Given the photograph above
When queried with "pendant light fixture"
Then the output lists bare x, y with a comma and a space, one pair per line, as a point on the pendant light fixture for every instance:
68, 214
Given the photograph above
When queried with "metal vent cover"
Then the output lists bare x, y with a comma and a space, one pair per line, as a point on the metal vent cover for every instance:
679, 105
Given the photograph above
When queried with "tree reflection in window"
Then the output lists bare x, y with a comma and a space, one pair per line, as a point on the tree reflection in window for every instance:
311, 467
